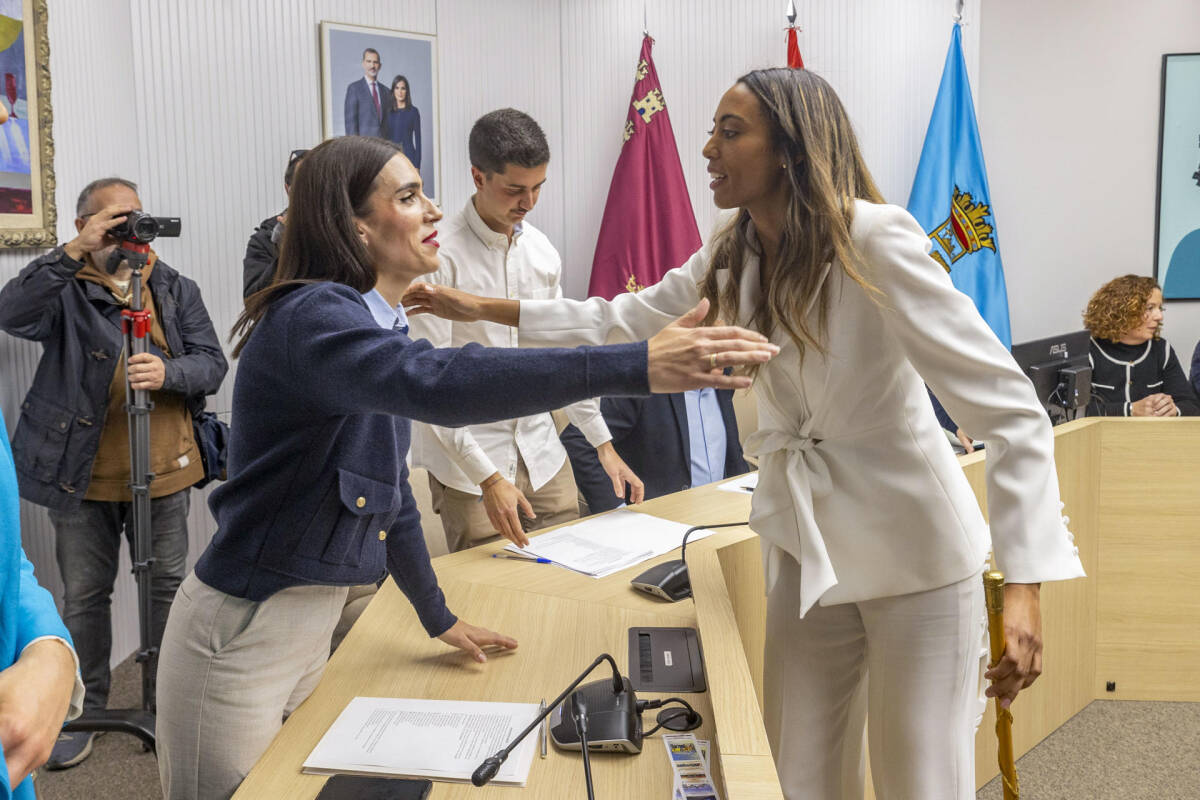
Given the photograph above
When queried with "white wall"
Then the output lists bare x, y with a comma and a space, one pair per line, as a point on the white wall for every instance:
1069, 109
203, 111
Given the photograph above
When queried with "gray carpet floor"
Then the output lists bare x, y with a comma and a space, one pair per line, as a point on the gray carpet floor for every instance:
1112, 750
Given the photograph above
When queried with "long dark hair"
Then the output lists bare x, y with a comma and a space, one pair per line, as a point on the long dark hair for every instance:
320, 243
408, 103
812, 134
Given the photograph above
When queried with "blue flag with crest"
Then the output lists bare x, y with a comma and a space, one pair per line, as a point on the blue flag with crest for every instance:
950, 196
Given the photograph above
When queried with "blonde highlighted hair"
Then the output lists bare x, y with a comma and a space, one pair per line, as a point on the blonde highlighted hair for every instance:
812, 135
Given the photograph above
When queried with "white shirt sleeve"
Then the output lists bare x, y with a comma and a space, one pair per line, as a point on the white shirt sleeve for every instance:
628, 317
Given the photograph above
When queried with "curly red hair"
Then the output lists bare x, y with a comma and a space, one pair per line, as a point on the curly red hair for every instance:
1119, 306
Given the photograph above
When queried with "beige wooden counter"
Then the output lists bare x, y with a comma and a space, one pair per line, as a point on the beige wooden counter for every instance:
1131, 489
562, 620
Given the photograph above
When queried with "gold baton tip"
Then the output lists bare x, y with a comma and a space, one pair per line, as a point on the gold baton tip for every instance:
993, 588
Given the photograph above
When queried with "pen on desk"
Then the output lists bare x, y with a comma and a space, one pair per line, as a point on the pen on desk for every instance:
545, 723
534, 559
748, 489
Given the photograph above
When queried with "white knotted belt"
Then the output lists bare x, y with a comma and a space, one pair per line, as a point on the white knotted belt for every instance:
792, 473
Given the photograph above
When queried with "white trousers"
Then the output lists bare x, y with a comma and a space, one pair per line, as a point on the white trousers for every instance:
924, 654
229, 671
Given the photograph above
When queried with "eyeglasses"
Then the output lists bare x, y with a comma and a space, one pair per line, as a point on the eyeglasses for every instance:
296, 156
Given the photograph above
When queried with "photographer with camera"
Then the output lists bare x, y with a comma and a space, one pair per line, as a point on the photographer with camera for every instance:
72, 445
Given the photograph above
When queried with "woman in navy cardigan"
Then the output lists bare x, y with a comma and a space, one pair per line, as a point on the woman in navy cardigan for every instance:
317, 497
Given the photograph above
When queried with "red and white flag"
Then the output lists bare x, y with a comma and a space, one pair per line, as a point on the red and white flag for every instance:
649, 226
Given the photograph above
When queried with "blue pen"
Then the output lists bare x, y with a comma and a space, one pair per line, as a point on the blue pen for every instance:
531, 559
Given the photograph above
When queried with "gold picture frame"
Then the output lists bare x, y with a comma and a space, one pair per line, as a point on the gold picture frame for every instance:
28, 215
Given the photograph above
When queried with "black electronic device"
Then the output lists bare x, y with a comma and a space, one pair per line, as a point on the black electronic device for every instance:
142, 228
361, 787
613, 721
669, 580
613, 709
666, 660
1060, 371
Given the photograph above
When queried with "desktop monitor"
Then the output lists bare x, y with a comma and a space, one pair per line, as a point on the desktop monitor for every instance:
1060, 371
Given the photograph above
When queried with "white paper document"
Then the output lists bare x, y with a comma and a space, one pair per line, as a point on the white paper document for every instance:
742, 484
600, 546
436, 739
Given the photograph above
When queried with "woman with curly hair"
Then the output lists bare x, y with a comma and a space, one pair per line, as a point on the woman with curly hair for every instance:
1135, 373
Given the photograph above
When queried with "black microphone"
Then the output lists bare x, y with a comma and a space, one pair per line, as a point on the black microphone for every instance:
669, 580
579, 714
491, 765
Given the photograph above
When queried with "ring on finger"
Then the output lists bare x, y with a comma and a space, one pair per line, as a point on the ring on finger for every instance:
712, 360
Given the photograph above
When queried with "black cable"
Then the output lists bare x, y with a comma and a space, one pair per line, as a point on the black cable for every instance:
686, 711
690, 531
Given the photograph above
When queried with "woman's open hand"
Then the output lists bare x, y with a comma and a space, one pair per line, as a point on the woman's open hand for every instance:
683, 356
472, 639
442, 301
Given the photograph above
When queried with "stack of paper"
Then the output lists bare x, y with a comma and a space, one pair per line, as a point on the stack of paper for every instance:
437, 739
600, 546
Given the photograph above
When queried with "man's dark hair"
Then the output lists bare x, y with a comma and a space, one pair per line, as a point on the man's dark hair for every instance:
320, 242
504, 137
371, 50
97, 185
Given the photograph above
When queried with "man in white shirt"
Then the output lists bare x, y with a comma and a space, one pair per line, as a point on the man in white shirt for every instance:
513, 476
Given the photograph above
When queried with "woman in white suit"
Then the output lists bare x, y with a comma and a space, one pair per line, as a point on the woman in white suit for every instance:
873, 542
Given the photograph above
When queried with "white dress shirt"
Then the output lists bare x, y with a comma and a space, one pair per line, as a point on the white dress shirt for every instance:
856, 482
481, 261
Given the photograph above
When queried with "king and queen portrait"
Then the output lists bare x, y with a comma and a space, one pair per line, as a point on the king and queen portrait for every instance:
378, 82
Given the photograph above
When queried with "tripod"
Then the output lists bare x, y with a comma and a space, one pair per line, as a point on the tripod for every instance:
135, 325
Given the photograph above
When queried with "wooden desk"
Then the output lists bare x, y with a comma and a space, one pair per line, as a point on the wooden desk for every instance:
1132, 491
562, 620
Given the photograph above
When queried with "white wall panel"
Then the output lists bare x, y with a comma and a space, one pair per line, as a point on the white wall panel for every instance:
497, 55
884, 60
1069, 115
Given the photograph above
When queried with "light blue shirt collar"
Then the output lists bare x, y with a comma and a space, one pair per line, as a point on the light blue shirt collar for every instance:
385, 315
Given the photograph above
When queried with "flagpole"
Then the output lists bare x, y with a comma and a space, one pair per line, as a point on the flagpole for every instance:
958, 7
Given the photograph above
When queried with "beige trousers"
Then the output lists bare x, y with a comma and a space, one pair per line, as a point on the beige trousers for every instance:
229, 671
910, 667
466, 521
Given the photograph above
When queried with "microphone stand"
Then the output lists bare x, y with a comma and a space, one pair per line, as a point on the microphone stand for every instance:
579, 714
135, 325
490, 766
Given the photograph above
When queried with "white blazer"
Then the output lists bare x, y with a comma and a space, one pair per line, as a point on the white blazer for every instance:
857, 483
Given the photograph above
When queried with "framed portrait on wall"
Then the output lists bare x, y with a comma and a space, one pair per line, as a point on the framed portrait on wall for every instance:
1177, 223
27, 212
381, 82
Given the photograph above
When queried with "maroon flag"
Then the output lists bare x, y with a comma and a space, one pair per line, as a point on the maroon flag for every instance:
648, 225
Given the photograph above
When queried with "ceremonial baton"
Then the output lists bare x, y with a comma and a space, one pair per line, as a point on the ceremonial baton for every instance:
993, 588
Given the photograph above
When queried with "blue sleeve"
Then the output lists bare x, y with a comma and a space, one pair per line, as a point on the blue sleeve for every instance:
942, 417
350, 112
332, 335
36, 613
408, 564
